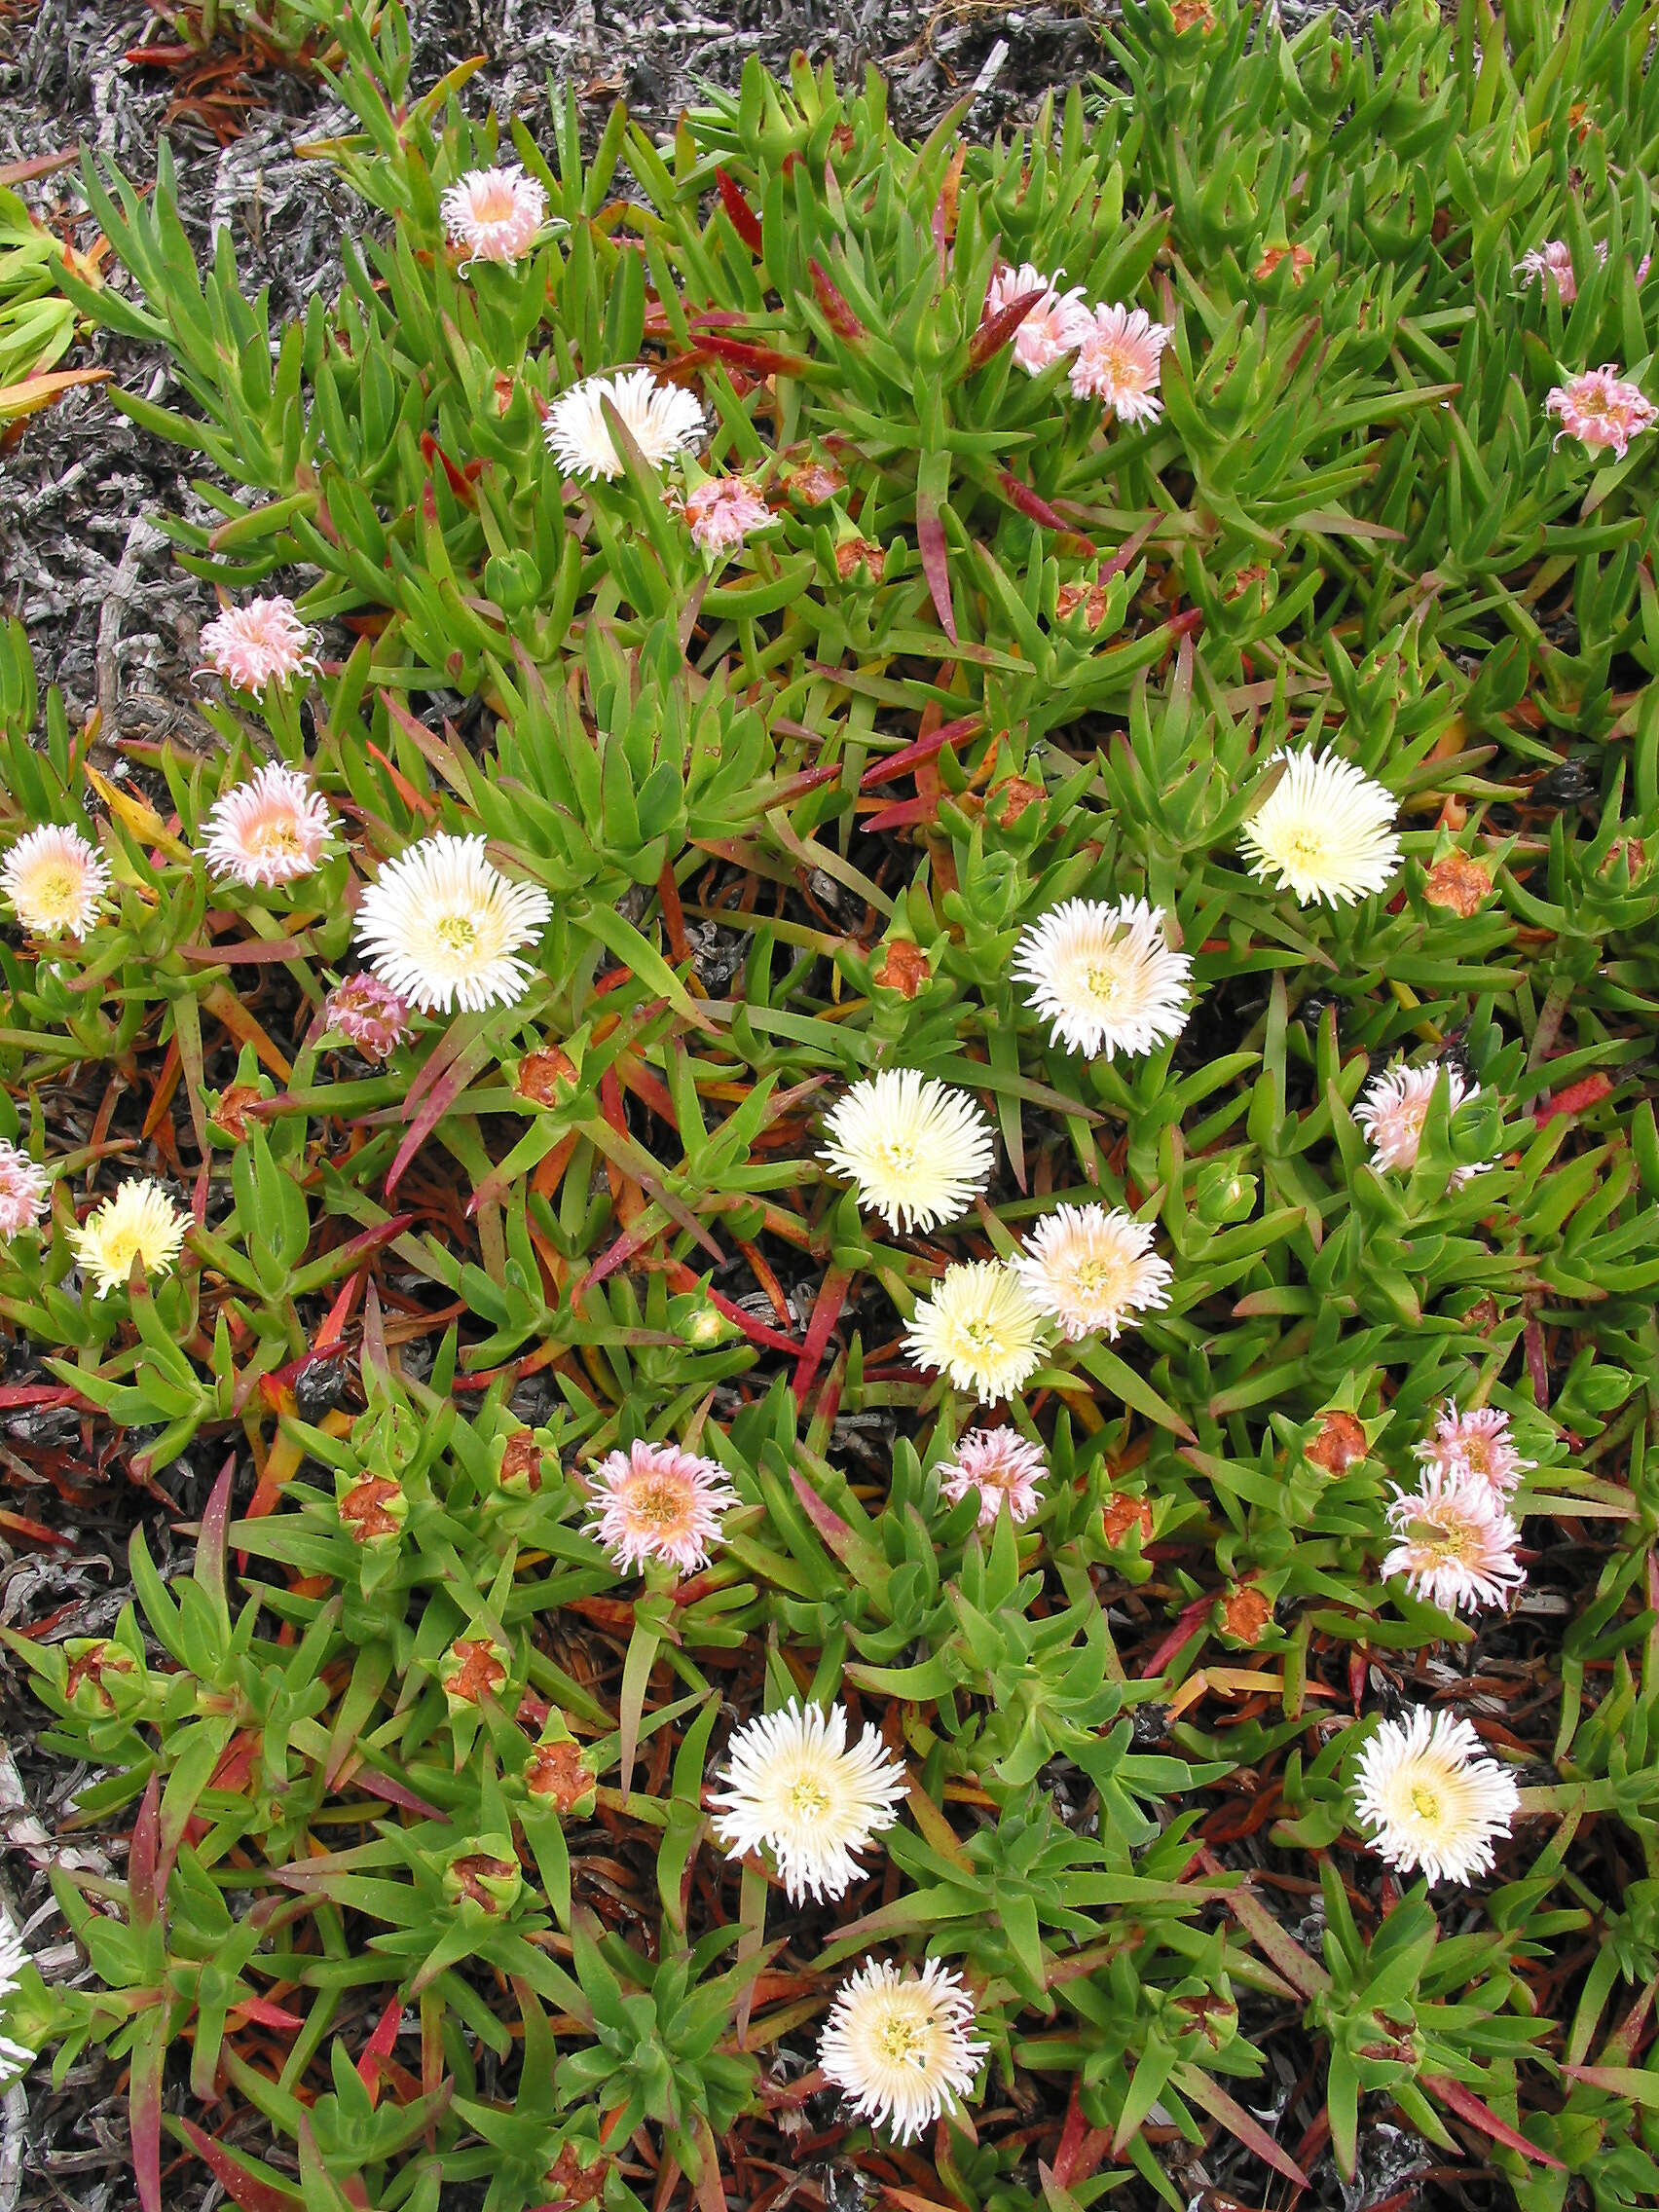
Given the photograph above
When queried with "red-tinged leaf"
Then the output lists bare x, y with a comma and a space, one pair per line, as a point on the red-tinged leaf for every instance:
825, 1313
764, 360
995, 331
744, 220
1209, 2097
248, 2191
143, 1857
1124, 557
260, 955
380, 2046
395, 1793
261, 2010
1633, 2082
841, 317
32, 1533
929, 541
416, 801
624, 1248
1303, 1972
144, 2105
910, 757
1467, 2106
905, 813
39, 1394
1082, 2147
435, 1105
758, 1332
210, 1539
1034, 506
1587, 1091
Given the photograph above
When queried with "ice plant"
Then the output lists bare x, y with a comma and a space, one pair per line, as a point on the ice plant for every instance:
1104, 977
262, 643
918, 1151
271, 830
15, 2057
1324, 832
364, 1009
1055, 324
1454, 1543
1393, 1108
1090, 1269
654, 1501
493, 214
140, 1222
982, 1327
794, 1786
22, 1190
1476, 1442
1601, 409
56, 881
1002, 1469
722, 511
441, 927
899, 2045
663, 421
1434, 1804
1118, 362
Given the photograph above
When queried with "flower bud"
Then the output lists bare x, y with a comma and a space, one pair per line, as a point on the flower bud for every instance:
372, 1511
484, 1877
474, 1668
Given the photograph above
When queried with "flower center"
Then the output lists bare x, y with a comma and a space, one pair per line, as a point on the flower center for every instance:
456, 933
901, 2040
896, 1157
1426, 1801
494, 204
55, 889
980, 1333
658, 1504
1448, 1545
1105, 982
809, 1801
1097, 1277
280, 836
1305, 848
1477, 1451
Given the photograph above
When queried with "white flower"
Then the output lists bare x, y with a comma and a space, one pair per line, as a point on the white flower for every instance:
1002, 1467
140, 1222
982, 1327
1104, 977
1393, 1107
793, 1785
1324, 832
56, 881
919, 1151
662, 419
898, 2044
493, 214
441, 927
262, 643
1091, 1269
15, 2057
1476, 1442
1454, 1542
271, 830
1432, 1801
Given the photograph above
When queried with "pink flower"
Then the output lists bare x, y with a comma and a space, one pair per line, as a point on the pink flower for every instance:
1476, 1442
262, 643
1454, 1542
1601, 408
370, 1014
656, 1502
1001, 1466
1553, 262
495, 213
270, 829
1055, 326
724, 511
1120, 361
23, 1191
